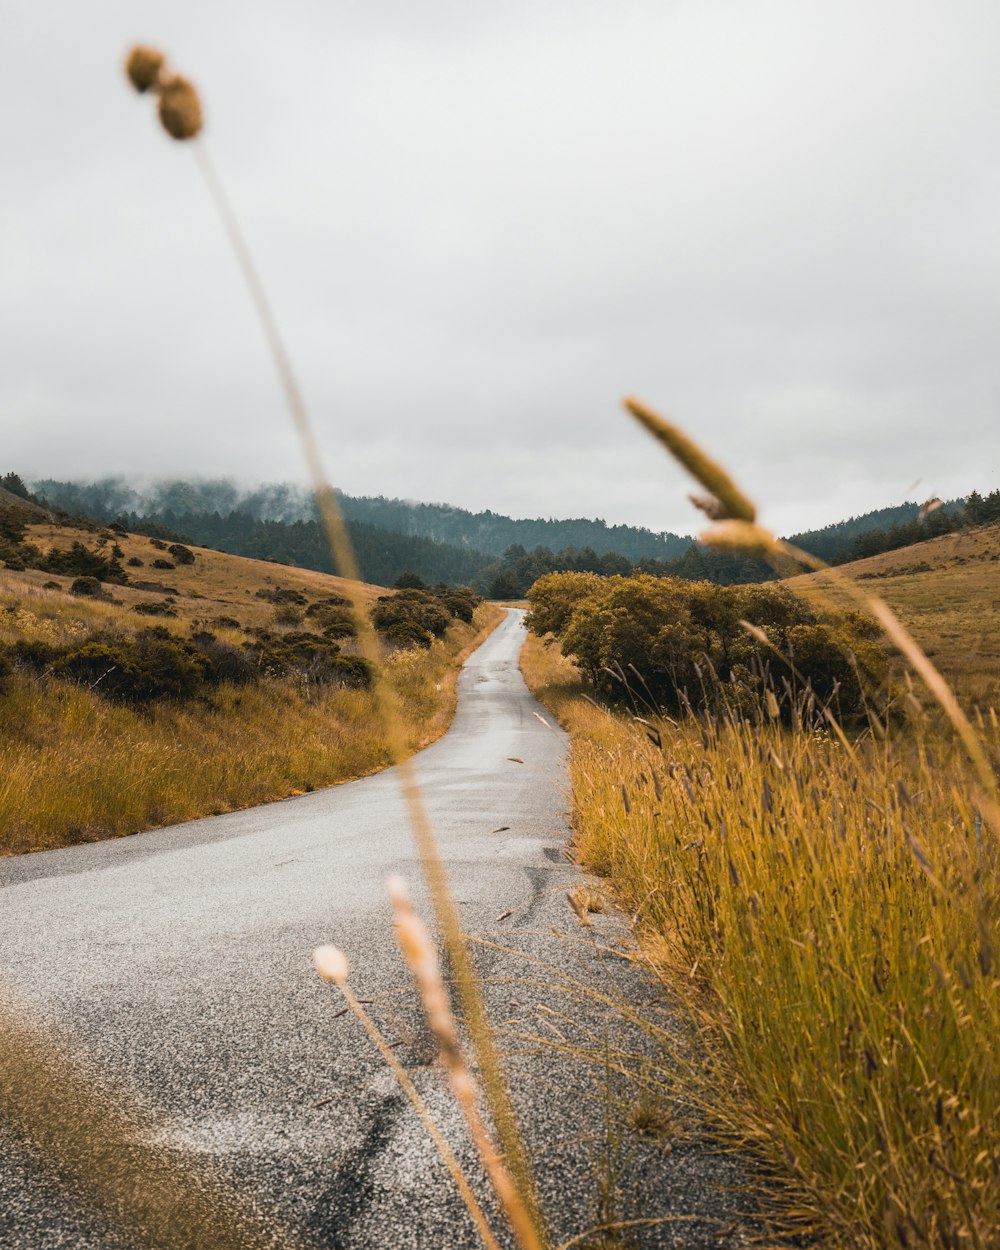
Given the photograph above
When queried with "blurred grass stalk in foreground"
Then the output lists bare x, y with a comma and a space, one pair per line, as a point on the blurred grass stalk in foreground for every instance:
387, 707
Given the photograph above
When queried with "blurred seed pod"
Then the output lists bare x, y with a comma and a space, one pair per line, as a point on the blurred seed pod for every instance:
180, 108
739, 536
331, 963
143, 67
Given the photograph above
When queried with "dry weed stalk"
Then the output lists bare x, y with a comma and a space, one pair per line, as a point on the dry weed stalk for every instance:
878, 1091
731, 500
38, 1085
459, 958
179, 107
741, 532
421, 957
333, 966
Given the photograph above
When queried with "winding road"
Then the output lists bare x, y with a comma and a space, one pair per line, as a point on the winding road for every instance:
179, 962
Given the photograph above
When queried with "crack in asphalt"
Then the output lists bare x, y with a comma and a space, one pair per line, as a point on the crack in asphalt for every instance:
349, 1195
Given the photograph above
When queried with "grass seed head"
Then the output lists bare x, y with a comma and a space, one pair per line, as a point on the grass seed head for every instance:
731, 500
180, 108
331, 964
739, 536
143, 66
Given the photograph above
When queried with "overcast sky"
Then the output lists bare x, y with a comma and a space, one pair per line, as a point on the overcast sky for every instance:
482, 224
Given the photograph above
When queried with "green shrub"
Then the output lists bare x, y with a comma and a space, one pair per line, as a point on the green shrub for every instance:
407, 634
460, 602
288, 614
33, 654
307, 654
222, 662
13, 528
680, 644
154, 607
339, 629
88, 587
182, 554
333, 616
282, 594
349, 670
324, 605
96, 663
554, 596
418, 607
78, 561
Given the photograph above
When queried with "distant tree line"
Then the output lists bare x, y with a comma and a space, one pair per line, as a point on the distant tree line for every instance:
515, 572
385, 553
487, 533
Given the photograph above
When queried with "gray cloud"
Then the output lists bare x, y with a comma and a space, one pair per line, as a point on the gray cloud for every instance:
481, 225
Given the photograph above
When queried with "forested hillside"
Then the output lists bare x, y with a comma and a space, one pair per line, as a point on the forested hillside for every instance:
498, 555
487, 532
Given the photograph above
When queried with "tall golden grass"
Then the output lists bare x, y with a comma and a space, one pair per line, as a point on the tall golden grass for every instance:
75, 767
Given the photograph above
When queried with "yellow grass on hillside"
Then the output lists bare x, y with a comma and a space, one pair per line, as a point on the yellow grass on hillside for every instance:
216, 583
77, 767
947, 592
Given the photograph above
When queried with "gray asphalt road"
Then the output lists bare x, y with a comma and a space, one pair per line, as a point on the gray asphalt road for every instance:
179, 961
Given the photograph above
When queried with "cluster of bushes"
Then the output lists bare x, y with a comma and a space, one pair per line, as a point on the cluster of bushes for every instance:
414, 618
333, 616
684, 645
14, 551
103, 563
155, 664
77, 560
315, 656
279, 595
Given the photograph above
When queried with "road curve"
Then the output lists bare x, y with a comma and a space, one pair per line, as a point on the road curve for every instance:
179, 962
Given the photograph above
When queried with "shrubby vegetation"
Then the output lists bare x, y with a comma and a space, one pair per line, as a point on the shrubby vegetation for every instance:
102, 562
500, 556
413, 617
155, 663
679, 645
187, 724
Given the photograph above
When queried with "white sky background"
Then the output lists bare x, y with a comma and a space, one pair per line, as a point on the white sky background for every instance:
482, 224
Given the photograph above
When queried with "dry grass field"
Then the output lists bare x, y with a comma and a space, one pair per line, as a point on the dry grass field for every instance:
77, 767
947, 592
215, 585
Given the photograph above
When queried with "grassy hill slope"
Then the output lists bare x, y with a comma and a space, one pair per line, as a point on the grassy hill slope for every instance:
266, 701
947, 592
